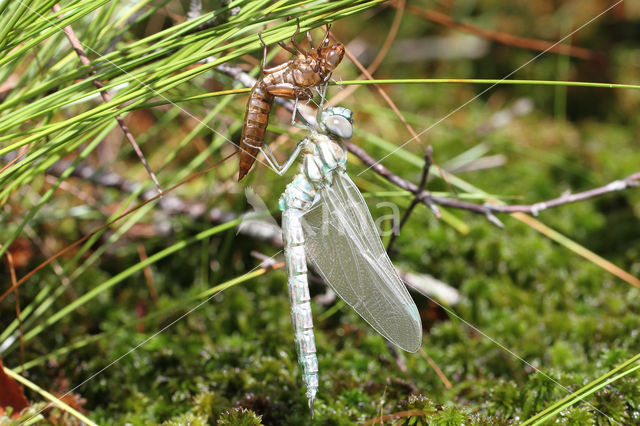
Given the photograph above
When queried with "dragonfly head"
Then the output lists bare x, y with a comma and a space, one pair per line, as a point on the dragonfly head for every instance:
329, 56
338, 121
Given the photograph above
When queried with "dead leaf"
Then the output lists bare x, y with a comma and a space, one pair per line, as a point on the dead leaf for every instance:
11, 394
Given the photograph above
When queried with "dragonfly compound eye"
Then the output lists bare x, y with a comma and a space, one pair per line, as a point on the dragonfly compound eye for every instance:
334, 56
339, 126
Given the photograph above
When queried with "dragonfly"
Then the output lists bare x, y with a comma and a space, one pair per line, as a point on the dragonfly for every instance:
325, 219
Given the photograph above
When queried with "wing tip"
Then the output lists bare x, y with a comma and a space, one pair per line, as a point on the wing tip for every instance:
416, 349
412, 344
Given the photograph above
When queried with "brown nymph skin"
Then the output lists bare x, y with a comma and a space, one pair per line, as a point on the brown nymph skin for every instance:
291, 80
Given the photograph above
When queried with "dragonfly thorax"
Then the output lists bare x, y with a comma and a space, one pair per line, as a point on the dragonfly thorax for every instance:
322, 155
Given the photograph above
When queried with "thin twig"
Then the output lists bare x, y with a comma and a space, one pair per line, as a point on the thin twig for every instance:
55, 266
22, 151
12, 271
438, 370
148, 274
415, 201
77, 46
382, 53
568, 198
500, 37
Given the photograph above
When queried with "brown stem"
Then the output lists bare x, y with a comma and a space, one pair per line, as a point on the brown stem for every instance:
77, 46
12, 271
500, 37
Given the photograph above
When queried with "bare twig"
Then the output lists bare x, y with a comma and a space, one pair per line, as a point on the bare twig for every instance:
77, 46
568, 198
415, 201
489, 209
423, 196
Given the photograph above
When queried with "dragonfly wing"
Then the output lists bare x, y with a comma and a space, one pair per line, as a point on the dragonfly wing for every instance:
344, 247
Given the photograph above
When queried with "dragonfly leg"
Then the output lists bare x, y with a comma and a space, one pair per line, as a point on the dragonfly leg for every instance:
294, 42
323, 92
295, 110
306, 96
310, 40
294, 50
264, 52
266, 70
273, 162
287, 48
271, 159
338, 83
325, 39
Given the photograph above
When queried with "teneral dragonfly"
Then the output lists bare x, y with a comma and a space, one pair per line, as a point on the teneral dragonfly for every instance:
326, 219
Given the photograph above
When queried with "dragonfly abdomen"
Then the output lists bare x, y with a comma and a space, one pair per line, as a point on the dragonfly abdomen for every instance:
298, 288
255, 126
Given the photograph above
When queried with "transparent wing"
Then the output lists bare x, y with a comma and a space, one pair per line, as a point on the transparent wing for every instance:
344, 247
